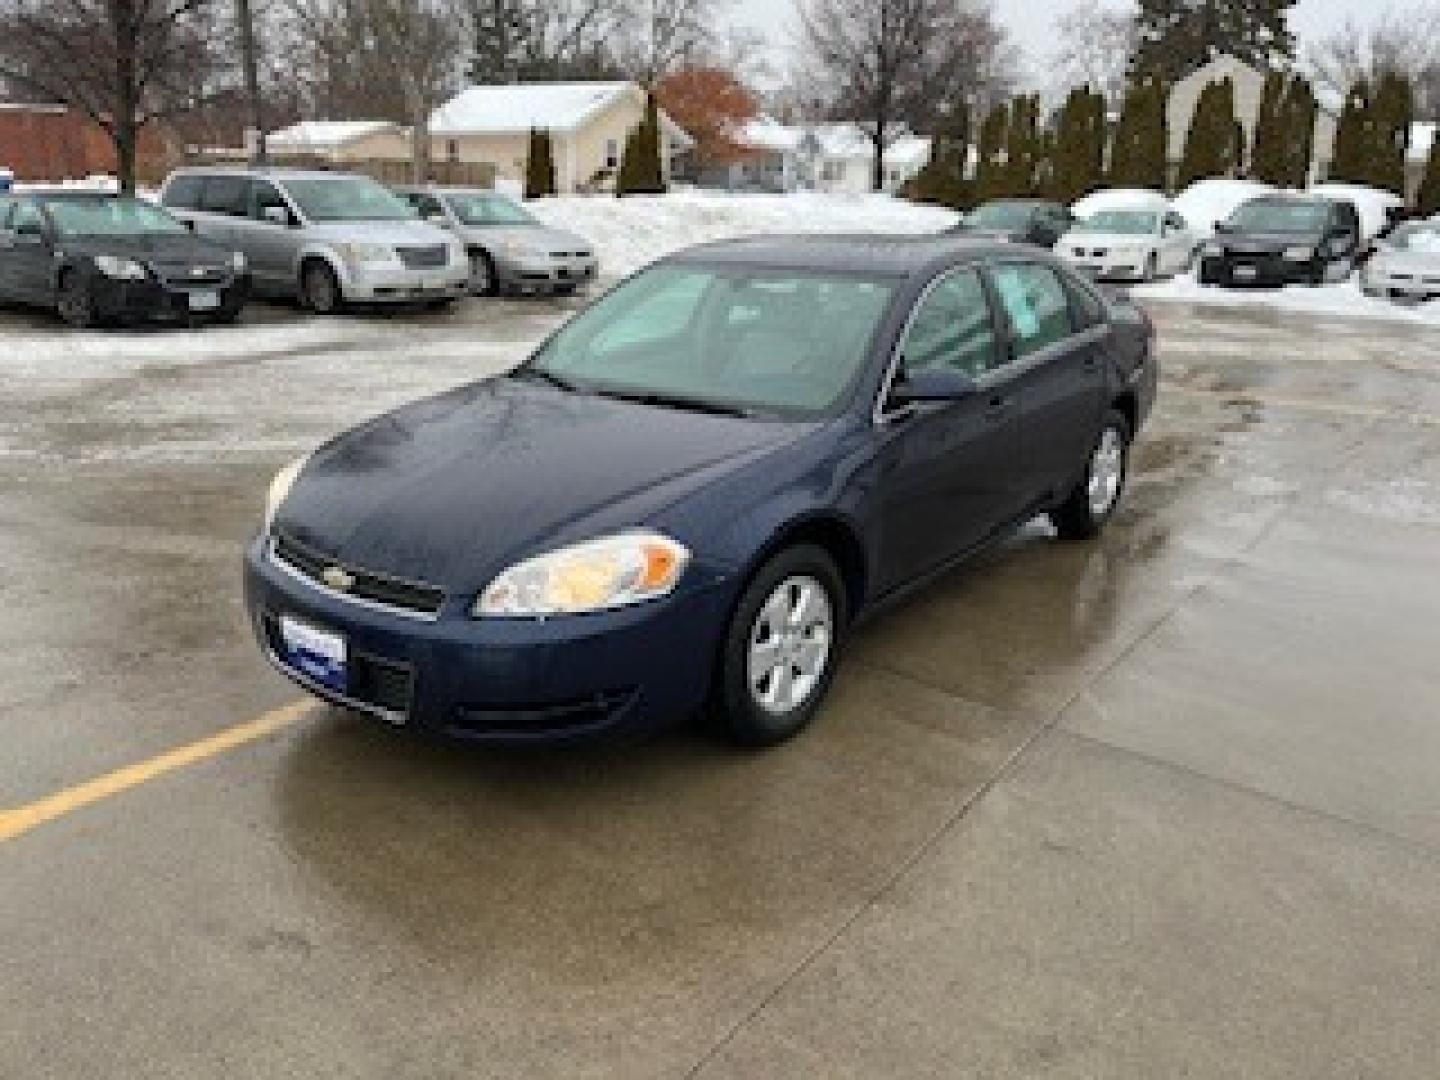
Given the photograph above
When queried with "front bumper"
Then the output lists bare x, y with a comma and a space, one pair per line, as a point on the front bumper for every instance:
546, 274
501, 680
1258, 271
393, 282
1113, 266
1399, 286
153, 299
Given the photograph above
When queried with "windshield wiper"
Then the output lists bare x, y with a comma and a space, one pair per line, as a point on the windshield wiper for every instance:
527, 371
677, 401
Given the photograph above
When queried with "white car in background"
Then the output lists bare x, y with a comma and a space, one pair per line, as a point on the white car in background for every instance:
1406, 265
1142, 244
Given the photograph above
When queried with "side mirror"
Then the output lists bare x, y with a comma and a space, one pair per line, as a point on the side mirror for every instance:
276, 215
931, 384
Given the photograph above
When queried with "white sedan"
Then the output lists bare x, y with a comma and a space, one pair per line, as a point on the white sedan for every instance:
1130, 245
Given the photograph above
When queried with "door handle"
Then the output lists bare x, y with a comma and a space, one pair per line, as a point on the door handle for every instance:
998, 406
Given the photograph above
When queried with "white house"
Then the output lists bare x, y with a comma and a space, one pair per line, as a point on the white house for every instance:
588, 123
837, 157
341, 141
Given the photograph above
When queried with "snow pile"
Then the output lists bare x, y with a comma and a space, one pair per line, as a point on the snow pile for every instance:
1205, 202
1378, 209
1120, 199
632, 232
1345, 301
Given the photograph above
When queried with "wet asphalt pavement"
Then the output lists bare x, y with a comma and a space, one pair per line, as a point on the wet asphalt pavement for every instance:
1164, 804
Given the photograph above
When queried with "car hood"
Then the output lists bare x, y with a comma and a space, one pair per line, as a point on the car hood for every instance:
1264, 243
1107, 240
539, 237
1012, 235
1407, 262
151, 247
394, 233
449, 490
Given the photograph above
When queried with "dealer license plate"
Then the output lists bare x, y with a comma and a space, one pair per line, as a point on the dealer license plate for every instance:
318, 654
204, 301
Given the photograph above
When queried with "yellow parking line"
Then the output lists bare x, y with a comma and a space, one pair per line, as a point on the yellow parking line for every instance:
24, 818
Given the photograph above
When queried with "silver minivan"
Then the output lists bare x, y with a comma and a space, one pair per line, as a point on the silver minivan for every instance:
327, 238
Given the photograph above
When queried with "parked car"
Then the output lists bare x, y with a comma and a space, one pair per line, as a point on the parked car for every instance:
329, 239
95, 257
1020, 221
1130, 245
1284, 240
509, 249
691, 492
1406, 265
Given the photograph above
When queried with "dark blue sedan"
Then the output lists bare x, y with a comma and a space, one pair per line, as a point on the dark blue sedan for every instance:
686, 497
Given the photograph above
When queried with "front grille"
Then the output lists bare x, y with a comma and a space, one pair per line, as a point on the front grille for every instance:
181, 275
419, 257
367, 585
569, 254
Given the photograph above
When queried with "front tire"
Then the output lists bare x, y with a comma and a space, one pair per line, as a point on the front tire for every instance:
74, 304
1152, 268
781, 648
483, 279
1093, 501
320, 288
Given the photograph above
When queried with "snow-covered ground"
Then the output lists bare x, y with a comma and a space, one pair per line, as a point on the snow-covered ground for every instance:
1345, 301
632, 232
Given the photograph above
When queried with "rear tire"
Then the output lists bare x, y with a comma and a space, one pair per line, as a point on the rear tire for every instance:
1093, 501
781, 649
74, 304
320, 288
1152, 268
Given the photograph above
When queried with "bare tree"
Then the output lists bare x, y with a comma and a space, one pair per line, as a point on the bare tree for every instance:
899, 63
662, 35
126, 64
1096, 43
378, 60
537, 40
1404, 40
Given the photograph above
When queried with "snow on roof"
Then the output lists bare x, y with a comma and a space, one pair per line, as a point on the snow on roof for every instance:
521, 106
908, 150
1422, 138
767, 133
324, 134
1120, 199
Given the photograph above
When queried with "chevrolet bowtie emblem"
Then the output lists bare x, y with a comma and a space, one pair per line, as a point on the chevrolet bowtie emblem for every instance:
338, 578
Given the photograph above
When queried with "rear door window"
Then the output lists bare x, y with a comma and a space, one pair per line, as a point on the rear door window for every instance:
228, 195
183, 192
263, 196
1036, 305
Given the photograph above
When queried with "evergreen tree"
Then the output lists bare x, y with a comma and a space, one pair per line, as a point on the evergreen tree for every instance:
990, 166
1270, 161
1023, 147
1178, 37
1394, 112
1215, 143
641, 172
539, 165
1301, 112
1352, 136
1428, 201
1139, 156
1078, 164
943, 181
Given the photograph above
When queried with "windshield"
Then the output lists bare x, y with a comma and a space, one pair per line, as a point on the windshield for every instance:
482, 209
1422, 238
1280, 217
347, 198
776, 342
1001, 216
1126, 222
109, 217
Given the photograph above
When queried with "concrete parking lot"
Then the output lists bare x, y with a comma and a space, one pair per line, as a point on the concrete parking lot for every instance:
1164, 804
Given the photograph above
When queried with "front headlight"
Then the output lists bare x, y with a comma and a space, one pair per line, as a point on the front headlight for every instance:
1299, 254
363, 253
237, 262
280, 489
610, 572
113, 266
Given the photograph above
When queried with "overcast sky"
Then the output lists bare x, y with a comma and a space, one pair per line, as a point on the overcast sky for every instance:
1031, 22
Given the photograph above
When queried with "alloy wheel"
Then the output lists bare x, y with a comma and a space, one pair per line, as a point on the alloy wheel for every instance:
790, 645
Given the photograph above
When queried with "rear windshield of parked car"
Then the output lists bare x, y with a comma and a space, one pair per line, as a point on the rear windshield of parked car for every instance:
109, 217
1001, 216
1281, 217
481, 210
347, 198
1126, 222
773, 341
1423, 238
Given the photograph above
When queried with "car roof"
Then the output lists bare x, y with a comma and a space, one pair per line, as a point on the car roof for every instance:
446, 189
880, 254
275, 172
